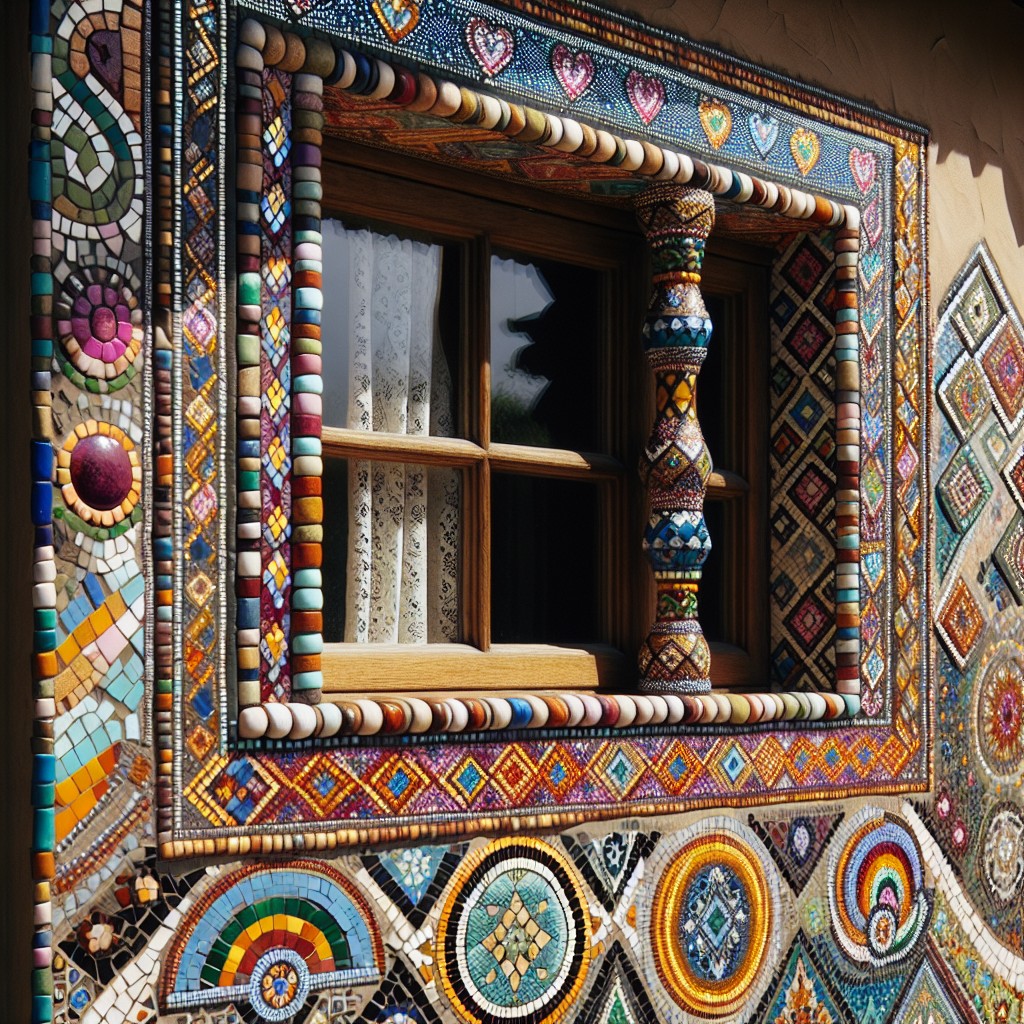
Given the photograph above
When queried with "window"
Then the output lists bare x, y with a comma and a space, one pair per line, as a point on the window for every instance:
486, 398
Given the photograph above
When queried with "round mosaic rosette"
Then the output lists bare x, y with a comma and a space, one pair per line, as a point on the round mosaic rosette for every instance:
99, 473
713, 918
1002, 852
278, 985
513, 941
879, 903
99, 327
999, 712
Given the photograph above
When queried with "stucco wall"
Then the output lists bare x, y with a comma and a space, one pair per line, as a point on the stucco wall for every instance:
951, 67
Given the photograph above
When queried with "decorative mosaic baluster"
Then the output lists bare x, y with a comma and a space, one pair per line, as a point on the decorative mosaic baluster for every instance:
676, 463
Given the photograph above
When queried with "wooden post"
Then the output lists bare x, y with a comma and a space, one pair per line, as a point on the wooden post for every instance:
676, 463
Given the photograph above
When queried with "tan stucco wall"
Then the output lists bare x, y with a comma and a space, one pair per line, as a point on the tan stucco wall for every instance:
955, 68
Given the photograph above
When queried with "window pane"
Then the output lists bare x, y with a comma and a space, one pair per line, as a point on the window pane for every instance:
547, 351
390, 307
545, 560
391, 552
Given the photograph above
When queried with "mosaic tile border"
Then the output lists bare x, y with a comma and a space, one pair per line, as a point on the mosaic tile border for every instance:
232, 799
295, 719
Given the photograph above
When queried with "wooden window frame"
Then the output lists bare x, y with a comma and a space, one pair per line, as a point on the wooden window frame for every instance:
471, 210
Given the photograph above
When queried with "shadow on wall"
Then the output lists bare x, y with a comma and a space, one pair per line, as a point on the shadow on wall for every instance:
953, 68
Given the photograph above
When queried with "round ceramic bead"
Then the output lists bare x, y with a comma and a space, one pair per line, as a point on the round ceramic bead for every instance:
421, 716
606, 148
385, 81
449, 99
304, 721
685, 172
490, 111
653, 159
274, 47
373, 717
593, 709
253, 722
627, 710
571, 137
426, 94
252, 33
294, 53
555, 131
320, 59
634, 155
280, 720
459, 716
576, 708
676, 708
330, 715
669, 165
540, 710
644, 708
501, 713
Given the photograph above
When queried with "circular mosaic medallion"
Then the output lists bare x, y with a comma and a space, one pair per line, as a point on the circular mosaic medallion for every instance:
99, 326
513, 942
878, 898
278, 985
99, 473
712, 919
1002, 854
1000, 716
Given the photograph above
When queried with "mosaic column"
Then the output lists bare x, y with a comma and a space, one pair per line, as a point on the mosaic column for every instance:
676, 463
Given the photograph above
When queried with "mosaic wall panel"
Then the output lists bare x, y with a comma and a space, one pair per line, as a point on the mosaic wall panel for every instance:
228, 789
866, 907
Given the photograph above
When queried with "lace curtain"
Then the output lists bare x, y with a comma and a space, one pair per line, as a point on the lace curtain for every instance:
403, 519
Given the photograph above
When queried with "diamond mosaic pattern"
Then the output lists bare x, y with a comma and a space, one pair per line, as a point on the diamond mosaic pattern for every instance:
802, 513
275, 443
1002, 359
963, 489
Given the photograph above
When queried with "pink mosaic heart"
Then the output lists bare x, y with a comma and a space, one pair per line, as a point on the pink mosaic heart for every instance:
491, 47
646, 94
862, 166
574, 71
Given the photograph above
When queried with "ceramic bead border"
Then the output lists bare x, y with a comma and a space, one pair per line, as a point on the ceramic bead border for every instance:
313, 62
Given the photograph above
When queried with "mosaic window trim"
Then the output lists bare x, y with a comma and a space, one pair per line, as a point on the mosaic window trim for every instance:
263, 86
445, 785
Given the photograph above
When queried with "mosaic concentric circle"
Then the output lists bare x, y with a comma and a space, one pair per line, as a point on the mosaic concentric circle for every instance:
1002, 852
278, 985
878, 899
99, 473
513, 942
1000, 715
99, 326
713, 918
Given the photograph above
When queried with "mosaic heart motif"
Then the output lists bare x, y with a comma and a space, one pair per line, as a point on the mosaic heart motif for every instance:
397, 17
764, 131
862, 166
574, 71
646, 94
491, 47
806, 149
716, 120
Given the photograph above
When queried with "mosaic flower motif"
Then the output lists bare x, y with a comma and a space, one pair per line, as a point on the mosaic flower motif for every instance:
96, 934
1000, 717
99, 326
1003, 853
